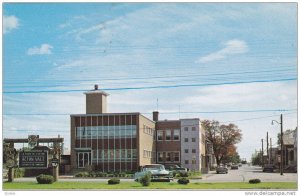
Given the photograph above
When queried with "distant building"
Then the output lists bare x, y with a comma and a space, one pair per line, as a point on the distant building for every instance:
124, 141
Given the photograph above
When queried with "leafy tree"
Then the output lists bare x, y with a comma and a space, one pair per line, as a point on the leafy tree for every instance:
222, 137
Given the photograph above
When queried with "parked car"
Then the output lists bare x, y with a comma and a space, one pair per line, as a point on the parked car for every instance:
268, 168
240, 164
222, 169
234, 166
176, 169
158, 172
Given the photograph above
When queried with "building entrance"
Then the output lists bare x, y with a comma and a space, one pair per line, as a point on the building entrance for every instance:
83, 159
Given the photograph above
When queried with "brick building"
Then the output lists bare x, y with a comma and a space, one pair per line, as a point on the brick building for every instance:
124, 141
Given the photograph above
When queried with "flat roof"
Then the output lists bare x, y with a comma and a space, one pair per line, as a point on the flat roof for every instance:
111, 114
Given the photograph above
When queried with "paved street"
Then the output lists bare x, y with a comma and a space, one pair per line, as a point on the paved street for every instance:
243, 174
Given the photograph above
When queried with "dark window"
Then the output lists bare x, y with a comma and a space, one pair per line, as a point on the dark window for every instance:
186, 150
193, 139
193, 150
186, 162
186, 139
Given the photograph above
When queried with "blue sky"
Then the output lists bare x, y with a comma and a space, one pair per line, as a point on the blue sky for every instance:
202, 59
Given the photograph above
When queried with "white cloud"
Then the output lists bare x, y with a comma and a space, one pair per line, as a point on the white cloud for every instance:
231, 47
44, 49
10, 23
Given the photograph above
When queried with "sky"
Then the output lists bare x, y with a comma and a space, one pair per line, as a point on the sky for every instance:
230, 62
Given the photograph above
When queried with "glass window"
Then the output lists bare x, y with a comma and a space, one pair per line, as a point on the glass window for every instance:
193, 128
159, 135
168, 156
128, 153
160, 156
186, 128
117, 154
176, 156
186, 139
123, 155
186, 162
134, 153
186, 150
168, 135
193, 150
176, 134
193, 139
105, 154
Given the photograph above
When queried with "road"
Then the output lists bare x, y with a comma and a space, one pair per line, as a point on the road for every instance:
243, 174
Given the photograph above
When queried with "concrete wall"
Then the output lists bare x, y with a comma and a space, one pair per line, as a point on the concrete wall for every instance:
191, 124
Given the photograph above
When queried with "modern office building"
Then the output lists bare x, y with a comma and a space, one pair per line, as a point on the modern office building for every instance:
124, 141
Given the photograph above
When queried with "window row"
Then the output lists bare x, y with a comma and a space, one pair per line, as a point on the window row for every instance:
192, 139
148, 130
148, 154
187, 128
168, 135
114, 154
187, 150
163, 157
105, 131
188, 162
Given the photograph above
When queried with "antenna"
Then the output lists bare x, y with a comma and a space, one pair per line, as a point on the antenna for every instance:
179, 112
156, 104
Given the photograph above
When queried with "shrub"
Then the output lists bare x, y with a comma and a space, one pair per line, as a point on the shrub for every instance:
146, 179
183, 181
254, 181
123, 174
82, 174
44, 179
114, 181
19, 172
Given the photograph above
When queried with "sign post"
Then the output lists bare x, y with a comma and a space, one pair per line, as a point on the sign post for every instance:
55, 163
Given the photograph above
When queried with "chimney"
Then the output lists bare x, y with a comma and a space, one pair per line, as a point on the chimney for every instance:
96, 101
155, 116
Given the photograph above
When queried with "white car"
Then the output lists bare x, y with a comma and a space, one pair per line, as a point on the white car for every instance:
158, 172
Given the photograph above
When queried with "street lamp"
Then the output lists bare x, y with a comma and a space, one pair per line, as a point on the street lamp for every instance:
281, 143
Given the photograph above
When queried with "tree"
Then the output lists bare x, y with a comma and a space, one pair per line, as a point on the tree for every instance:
222, 137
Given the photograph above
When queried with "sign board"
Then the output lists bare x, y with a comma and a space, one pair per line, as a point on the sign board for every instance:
33, 159
55, 160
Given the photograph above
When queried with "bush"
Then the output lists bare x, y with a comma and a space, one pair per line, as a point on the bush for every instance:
183, 181
114, 181
19, 172
44, 179
82, 174
254, 181
146, 179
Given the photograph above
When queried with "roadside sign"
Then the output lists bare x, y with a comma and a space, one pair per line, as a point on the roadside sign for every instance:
33, 159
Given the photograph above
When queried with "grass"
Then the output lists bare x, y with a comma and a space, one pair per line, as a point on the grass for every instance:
154, 185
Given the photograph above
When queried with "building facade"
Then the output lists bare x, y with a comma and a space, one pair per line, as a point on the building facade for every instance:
124, 141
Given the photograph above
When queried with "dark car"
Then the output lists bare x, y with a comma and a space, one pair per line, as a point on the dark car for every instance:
176, 169
234, 166
222, 169
268, 168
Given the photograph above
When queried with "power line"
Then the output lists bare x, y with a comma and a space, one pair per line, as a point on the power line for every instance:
153, 87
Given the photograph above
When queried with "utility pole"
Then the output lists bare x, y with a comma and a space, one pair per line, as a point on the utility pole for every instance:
268, 147
262, 152
271, 162
281, 157
281, 143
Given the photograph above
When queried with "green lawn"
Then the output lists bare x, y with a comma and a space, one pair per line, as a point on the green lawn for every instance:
154, 185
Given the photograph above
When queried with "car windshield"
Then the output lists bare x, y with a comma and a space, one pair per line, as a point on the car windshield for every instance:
150, 167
